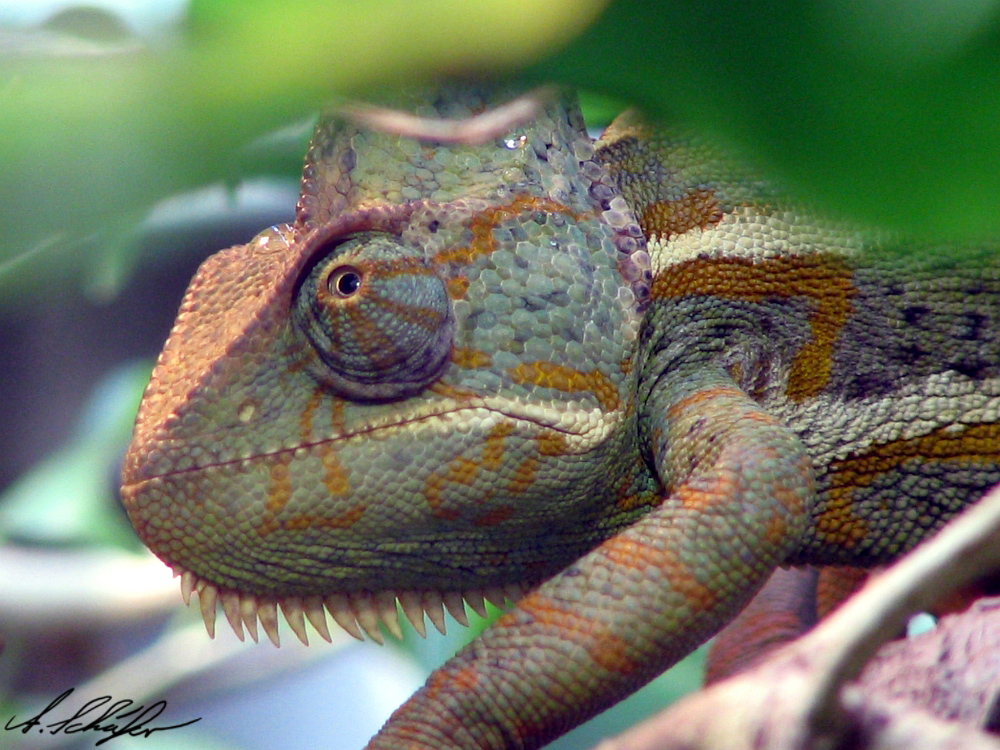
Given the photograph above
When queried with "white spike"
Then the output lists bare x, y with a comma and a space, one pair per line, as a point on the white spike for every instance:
188, 582
267, 611
339, 607
364, 611
385, 606
434, 607
474, 598
231, 606
409, 601
207, 597
456, 605
292, 607
313, 608
248, 612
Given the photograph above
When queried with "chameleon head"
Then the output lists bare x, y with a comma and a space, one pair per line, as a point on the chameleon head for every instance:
415, 398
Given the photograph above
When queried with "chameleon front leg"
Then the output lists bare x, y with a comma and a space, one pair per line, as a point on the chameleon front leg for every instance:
739, 489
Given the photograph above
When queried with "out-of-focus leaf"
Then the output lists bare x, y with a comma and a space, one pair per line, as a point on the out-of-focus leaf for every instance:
889, 112
93, 134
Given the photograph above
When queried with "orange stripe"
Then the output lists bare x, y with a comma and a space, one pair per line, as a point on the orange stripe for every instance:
483, 224
708, 492
334, 476
826, 280
279, 491
461, 471
551, 443
609, 651
697, 208
453, 392
449, 679
524, 476
337, 414
625, 553
977, 445
280, 488
493, 447
696, 399
470, 359
566, 379
306, 419
457, 287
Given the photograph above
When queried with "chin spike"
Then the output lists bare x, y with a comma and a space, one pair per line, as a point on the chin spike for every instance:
434, 607
207, 598
313, 608
474, 599
339, 607
248, 612
385, 606
267, 611
188, 582
292, 607
456, 606
364, 611
409, 601
231, 608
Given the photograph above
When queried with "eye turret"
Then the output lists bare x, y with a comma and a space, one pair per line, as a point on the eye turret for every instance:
378, 316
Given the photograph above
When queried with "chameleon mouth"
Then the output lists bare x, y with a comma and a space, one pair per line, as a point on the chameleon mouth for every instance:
357, 612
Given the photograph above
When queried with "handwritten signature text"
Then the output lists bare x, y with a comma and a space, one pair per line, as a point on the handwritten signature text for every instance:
97, 716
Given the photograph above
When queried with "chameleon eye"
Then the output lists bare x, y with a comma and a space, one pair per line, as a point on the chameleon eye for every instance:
377, 315
344, 282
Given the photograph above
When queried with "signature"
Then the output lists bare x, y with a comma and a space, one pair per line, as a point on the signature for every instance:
109, 719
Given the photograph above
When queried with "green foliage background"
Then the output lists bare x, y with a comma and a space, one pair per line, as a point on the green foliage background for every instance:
886, 111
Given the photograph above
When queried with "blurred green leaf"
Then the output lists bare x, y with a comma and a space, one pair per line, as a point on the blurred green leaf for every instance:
888, 112
93, 136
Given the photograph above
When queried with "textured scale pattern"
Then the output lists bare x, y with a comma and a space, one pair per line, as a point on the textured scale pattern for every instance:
614, 385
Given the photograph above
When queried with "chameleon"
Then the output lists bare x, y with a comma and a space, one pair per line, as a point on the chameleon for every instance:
611, 386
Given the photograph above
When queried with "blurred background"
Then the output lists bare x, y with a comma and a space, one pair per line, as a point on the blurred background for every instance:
139, 136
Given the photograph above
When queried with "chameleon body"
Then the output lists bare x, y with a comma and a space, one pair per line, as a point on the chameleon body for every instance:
617, 384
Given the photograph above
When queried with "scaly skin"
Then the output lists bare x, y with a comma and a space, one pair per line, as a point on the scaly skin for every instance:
630, 382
